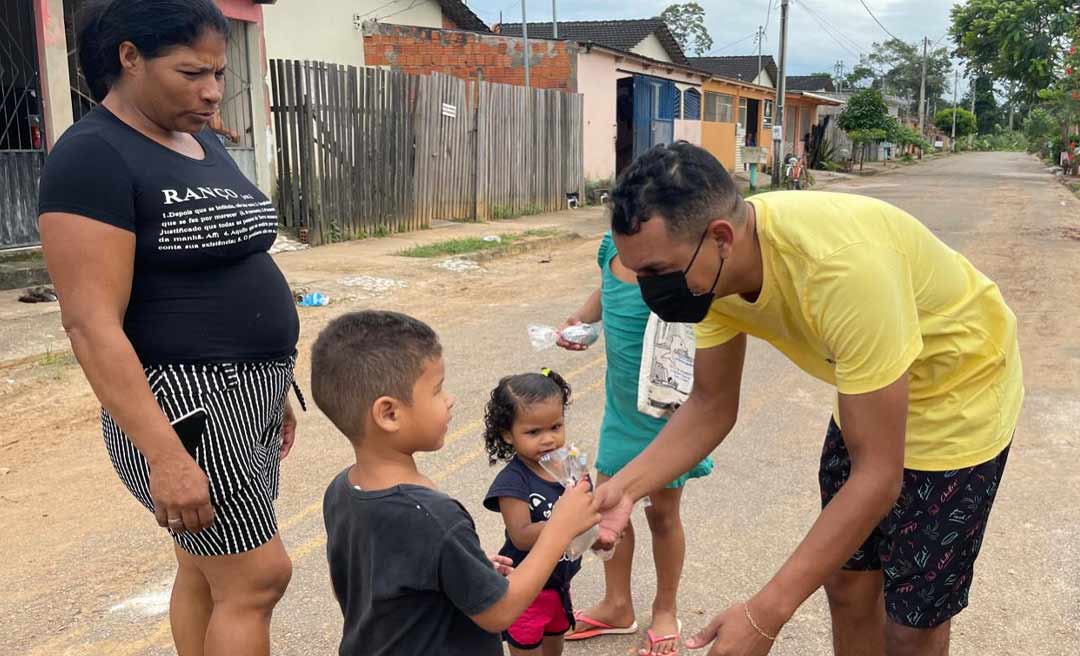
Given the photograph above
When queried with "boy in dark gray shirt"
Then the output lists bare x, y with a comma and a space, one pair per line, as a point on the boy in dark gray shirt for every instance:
405, 560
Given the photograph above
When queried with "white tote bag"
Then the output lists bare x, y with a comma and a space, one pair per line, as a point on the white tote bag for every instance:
667, 367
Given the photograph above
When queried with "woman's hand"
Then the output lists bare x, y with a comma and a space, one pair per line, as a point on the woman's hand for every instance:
570, 346
181, 494
288, 430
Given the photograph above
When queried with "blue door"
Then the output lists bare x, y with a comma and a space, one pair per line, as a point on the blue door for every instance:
655, 102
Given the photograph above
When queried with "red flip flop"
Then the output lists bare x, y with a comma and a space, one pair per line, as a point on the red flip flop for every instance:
600, 628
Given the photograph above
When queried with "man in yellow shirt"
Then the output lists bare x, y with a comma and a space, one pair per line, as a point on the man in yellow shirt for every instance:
922, 350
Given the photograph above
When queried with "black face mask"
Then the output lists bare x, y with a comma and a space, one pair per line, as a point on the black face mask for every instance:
670, 298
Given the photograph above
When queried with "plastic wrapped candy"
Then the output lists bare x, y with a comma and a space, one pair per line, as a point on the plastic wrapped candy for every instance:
544, 337
570, 466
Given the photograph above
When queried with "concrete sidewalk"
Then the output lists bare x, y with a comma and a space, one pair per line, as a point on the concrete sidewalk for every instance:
32, 331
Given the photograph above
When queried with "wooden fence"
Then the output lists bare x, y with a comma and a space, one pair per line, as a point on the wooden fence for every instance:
369, 151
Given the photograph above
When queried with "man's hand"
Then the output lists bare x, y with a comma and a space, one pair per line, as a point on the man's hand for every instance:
732, 634
502, 564
574, 513
570, 346
615, 509
288, 430
181, 494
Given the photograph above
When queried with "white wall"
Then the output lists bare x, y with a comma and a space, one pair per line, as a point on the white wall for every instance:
597, 76
652, 48
324, 31
764, 79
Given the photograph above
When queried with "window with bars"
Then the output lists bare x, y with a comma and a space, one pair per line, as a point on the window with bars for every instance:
767, 114
718, 107
692, 105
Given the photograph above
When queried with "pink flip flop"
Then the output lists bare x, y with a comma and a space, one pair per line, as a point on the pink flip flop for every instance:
600, 628
653, 639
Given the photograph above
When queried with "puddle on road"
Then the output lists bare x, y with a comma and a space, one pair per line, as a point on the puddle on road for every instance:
147, 604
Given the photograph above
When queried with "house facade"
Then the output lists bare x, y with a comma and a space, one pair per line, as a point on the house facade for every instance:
740, 106
638, 89
43, 93
332, 30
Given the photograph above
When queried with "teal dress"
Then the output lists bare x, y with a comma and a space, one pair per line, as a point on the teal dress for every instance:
625, 432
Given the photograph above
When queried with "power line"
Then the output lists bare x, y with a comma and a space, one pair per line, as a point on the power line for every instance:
863, 3
401, 11
829, 26
836, 35
379, 8
829, 31
733, 43
768, 14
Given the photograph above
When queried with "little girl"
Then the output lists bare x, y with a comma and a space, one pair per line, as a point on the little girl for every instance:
524, 420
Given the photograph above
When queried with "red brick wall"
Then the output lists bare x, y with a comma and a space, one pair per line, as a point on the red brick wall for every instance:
422, 50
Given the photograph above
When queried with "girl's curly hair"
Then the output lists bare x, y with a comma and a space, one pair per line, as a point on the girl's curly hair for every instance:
512, 393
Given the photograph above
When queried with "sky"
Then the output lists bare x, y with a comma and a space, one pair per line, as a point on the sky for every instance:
848, 28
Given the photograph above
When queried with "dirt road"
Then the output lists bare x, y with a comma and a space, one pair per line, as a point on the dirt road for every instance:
86, 571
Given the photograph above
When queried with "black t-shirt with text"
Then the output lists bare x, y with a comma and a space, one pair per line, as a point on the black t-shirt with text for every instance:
517, 481
408, 571
204, 287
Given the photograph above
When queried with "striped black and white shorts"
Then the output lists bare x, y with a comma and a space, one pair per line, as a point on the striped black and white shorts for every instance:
239, 449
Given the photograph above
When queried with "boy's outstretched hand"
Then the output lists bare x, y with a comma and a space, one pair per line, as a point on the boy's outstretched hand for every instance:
502, 564
575, 512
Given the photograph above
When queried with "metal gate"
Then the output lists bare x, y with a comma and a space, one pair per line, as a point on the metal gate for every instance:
22, 131
236, 115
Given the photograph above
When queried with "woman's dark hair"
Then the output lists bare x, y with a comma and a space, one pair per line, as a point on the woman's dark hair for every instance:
154, 26
511, 394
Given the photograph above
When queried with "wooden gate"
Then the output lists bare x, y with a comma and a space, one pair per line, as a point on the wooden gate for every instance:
369, 151
22, 131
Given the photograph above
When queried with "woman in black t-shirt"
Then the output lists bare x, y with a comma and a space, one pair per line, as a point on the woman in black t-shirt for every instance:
183, 324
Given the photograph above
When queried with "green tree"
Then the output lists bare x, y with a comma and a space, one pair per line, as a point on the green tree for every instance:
1018, 40
895, 67
965, 121
903, 135
687, 24
987, 111
865, 110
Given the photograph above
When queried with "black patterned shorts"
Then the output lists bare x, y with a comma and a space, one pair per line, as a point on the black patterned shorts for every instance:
927, 545
238, 449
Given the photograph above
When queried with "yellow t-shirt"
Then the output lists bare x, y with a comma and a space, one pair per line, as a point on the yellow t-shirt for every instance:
855, 292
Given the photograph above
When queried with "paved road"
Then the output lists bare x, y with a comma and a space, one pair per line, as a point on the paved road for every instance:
86, 572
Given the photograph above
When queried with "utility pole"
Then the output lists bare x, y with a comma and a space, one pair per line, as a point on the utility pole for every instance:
781, 89
839, 70
922, 89
554, 20
525, 41
974, 89
1010, 106
760, 38
956, 84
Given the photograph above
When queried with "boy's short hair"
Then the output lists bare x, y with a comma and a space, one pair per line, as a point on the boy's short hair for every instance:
361, 356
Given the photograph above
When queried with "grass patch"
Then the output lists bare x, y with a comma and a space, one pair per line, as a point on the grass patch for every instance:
24, 255
463, 245
504, 212
53, 358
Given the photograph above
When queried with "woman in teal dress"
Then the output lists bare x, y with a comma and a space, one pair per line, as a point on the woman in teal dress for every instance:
624, 434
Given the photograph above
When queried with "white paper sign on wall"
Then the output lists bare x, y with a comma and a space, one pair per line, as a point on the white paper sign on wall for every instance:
449, 110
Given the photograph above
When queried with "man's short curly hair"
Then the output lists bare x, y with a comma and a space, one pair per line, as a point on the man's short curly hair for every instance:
680, 182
